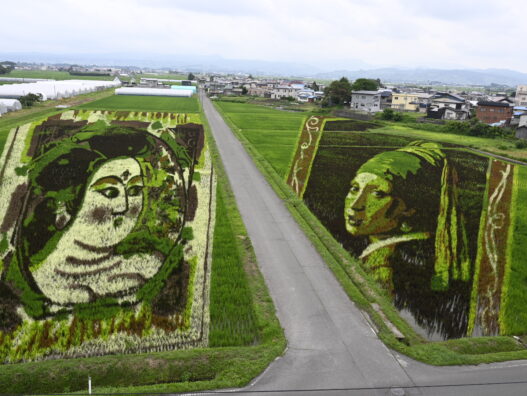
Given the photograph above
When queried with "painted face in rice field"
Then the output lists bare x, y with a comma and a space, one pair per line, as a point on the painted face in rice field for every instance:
371, 209
112, 203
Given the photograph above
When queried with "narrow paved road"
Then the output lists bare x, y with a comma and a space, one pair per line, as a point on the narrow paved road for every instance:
330, 344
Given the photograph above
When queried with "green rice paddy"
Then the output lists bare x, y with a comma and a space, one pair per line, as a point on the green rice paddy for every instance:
273, 133
145, 103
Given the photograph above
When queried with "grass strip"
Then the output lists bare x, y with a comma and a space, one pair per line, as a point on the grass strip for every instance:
367, 295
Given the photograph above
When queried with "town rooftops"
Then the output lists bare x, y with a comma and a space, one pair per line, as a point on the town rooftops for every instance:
364, 92
440, 95
381, 92
493, 104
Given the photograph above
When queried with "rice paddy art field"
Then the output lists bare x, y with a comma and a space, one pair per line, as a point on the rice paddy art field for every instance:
435, 234
119, 236
435, 225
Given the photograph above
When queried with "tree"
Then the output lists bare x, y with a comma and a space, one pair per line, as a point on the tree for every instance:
365, 84
6, 67
29, 99
191, 76
337, 93
315, 86
390, 115
244, 90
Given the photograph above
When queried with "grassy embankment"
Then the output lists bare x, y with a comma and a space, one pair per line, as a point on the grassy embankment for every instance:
254, 127
245, 335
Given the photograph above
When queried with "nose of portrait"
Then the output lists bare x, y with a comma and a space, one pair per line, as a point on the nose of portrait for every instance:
356, 202
120, 203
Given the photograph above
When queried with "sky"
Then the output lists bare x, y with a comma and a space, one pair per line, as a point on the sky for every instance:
331, 34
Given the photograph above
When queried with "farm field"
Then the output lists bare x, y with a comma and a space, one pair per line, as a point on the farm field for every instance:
273, 132
476, 290
203, 290
53, 75
353, 173
144, 103
167, 76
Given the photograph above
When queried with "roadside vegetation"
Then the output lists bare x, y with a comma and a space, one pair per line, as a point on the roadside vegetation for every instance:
272, 149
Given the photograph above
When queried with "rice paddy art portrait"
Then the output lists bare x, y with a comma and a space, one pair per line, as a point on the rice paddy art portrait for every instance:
436, 226
106, 235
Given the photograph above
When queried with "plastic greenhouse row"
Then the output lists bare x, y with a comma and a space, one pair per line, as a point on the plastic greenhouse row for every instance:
55, 89
7, 105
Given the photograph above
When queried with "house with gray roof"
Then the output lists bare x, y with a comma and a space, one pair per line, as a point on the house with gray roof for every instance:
370, 101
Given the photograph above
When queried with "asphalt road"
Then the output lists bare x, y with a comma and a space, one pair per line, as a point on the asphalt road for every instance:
332, 350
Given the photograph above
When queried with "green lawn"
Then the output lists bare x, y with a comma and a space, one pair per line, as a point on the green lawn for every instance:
53, 74
145, 103
273, 133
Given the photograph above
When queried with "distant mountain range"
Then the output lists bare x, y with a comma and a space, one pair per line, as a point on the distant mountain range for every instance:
434, 76
321, 70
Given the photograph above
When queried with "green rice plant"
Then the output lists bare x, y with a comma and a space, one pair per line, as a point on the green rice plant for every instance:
232, 317
144, 103
513, 315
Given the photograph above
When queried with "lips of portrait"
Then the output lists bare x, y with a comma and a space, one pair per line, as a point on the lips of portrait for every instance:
371, 209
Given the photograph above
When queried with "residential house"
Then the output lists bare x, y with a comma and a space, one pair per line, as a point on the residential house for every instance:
521, 95
306, 95
370, 101
283, 91
447, 106
521, 131
493, 112
518, 113
405, 101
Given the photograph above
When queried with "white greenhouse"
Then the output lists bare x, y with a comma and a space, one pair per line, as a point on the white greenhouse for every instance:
51, 89
7, 105
184, 88
153, 92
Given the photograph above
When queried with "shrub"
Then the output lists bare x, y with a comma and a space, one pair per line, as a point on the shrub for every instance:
29, 99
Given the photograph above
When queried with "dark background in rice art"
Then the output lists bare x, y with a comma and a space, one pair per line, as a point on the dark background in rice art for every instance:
339, 156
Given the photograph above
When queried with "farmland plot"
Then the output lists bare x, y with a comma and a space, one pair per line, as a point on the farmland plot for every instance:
440, 229
107, 221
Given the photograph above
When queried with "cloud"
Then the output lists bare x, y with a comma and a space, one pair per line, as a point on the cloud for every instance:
453, 33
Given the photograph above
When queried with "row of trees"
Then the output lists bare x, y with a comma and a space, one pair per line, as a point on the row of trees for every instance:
339, 91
